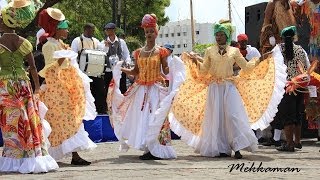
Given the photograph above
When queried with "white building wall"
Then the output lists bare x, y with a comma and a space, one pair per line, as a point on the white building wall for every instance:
179, 34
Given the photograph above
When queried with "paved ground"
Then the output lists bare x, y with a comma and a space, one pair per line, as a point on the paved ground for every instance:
109, 164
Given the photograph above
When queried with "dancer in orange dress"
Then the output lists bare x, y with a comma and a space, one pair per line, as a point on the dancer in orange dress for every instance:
139, 115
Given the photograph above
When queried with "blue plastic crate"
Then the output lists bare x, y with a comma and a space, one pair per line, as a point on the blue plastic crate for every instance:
100, 129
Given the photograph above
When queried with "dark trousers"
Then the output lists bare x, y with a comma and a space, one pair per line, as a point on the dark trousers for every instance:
98, 90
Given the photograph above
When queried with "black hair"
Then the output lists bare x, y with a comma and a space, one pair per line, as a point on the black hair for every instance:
234, 43
288, 44
88, 26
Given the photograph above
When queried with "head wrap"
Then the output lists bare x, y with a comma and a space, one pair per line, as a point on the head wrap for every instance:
49, 24
242, 37
224, 27
63, 24
18, 17
289, 31
150, 20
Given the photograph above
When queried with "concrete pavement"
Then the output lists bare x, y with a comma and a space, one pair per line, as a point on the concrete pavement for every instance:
108, 163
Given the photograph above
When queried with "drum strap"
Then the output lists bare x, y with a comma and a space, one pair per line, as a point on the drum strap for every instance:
87, 60
81, 40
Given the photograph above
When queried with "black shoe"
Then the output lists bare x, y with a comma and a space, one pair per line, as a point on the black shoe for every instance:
262, 140
272, 142
80, 162
224, 155
237, 155
298, 146
148, 156
286, 148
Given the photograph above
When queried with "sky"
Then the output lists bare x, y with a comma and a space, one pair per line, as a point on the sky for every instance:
211, 11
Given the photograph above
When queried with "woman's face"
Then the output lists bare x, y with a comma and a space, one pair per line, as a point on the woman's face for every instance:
150, 33
221, 38
62, 33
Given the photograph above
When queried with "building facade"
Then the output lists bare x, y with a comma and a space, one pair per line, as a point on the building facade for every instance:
179, 35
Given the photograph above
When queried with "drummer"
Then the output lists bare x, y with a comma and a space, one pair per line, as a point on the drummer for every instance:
87, 41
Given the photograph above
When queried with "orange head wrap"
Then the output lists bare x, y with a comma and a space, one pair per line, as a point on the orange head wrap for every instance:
150, 20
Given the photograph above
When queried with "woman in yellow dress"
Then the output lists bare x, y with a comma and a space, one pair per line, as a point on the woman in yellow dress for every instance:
139, 115
25, 147
64, 93
213, 109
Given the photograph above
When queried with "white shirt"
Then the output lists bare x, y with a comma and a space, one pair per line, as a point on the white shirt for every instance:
39, 34
252, 52
88, 43
125, 51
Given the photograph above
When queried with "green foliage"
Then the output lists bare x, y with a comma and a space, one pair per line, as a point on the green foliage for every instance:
136, 9
133, 43
80, 12
99, 12
200, 48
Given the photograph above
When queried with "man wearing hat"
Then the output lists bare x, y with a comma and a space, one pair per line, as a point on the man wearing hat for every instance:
115, 46
246, 50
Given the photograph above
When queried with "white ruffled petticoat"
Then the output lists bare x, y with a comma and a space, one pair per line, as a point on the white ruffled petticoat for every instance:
149, 106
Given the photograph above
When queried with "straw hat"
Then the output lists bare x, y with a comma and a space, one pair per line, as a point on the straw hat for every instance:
19, 3
56, 14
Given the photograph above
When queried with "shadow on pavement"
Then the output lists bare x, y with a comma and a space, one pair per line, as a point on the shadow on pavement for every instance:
124, 159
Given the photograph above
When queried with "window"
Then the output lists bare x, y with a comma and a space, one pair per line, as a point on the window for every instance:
178, 34
185, 45
172, 34
166, 35
172, 46
185, 33
197, 32
178, 46
160, 35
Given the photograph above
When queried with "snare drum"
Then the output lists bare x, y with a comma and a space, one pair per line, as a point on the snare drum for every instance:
93, 62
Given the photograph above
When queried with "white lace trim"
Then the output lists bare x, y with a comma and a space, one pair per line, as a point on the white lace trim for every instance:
79, 142
278, 92
38, 164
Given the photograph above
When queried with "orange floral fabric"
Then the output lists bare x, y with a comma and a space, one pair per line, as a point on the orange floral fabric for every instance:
64, 96
256, 88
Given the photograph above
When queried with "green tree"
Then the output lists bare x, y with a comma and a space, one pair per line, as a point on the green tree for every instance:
99, 12
201, 48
